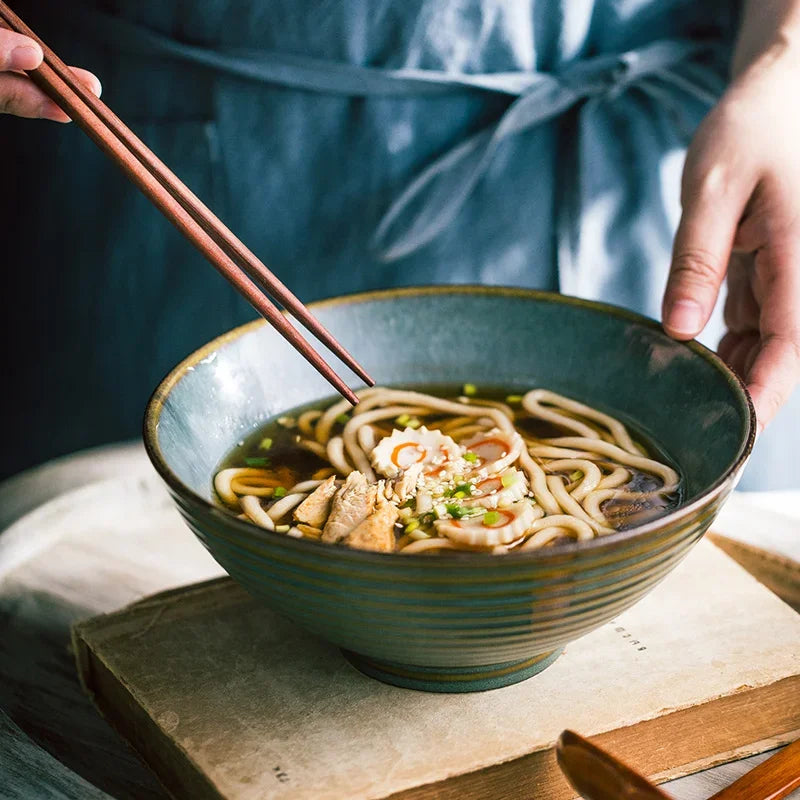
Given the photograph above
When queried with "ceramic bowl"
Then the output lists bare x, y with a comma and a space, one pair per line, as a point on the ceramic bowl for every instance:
463, 621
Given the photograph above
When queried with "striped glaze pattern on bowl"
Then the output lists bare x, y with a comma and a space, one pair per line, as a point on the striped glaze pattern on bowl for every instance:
463, 621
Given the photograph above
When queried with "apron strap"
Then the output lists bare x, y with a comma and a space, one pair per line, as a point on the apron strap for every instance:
296, 71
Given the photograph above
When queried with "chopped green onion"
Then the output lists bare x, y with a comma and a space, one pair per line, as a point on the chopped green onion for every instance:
287, 422
457, 511
403, 419
279, 492
427, 518
491, 518
460, 495
575, 475
282, 528
514, 398
470, 389
413, 424
412, 526
508, 478
261, 461
410, 503
459, 490
440, 510
419, 534
407, 421
343, 419
470, 456
265, 443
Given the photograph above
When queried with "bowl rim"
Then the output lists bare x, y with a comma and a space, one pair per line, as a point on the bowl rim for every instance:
567, 547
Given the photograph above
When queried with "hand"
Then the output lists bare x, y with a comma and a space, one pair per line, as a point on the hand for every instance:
741, 216
18, 95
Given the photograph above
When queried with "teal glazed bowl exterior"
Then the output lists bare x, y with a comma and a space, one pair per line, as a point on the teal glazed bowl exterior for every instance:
458, 621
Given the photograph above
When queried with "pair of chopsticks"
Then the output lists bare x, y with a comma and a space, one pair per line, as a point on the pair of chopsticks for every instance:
193, 219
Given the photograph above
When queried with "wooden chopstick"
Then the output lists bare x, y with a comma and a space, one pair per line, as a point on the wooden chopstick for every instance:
579, 759
772, 779
246, 259
184, 209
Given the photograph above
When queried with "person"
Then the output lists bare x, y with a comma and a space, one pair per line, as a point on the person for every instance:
357, 146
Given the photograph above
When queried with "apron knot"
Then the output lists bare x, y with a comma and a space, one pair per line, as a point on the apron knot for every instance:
434, 197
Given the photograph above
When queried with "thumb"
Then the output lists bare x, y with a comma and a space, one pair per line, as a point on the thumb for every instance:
18, 52
712, 208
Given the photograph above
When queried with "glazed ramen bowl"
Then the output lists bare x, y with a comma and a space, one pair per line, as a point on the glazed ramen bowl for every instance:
456, 621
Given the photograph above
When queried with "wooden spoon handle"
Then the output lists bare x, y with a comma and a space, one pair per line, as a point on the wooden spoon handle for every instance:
770, 780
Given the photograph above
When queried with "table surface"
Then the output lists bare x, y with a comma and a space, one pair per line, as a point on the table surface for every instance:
67, 552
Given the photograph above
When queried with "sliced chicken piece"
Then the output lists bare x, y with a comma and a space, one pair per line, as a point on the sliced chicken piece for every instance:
314, 510
351, 505
394, 454
309, 530
500, 526
376, 532
406, 485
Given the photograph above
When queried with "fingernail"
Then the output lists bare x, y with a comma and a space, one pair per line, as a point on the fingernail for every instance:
685, 317
26, 56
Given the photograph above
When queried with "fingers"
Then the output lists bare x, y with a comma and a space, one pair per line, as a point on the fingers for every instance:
775, 367
20, 97
18, 51
713, 201
89, 80
726, 346
741, 309
739, 350
773, 375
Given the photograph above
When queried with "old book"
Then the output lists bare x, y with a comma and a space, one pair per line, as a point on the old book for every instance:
225, 699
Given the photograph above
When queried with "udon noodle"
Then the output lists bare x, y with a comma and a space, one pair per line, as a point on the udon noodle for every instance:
412, 472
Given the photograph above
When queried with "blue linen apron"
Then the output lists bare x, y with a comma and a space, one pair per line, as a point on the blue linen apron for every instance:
353, 146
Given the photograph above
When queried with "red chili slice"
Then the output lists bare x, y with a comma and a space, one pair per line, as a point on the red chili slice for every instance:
487, 487
507, 517
398, 454
489, 449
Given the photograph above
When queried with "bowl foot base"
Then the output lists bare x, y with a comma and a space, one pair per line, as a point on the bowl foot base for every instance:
452, 679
